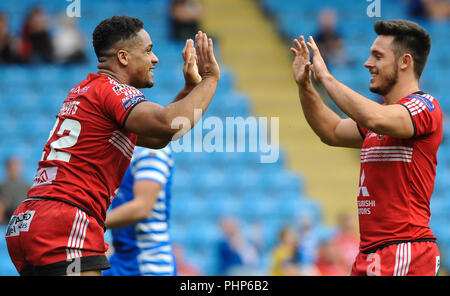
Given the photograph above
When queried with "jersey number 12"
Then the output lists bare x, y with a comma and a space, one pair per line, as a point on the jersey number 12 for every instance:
66, 140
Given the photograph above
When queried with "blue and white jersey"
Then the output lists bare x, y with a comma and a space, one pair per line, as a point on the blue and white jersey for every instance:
145, 247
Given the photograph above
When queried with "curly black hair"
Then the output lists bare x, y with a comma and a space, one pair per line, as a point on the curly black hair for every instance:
112, 30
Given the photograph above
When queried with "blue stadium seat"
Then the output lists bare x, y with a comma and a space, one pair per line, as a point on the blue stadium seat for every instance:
242, 178
8, 124
34, 126
182, 180
440, 205
190, 206
6, 266
210, 180
307, 209
16, 76
282, 181
204, 232
288, 206
259, 209
220, 204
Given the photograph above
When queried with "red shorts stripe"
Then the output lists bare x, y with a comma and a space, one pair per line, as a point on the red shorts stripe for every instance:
407, 258
77, 235
44, 232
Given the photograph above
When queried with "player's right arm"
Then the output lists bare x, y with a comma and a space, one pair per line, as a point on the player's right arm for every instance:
145, 194
154, 124
330, 128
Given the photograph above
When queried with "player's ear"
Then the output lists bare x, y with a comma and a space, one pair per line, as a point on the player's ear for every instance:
122, 56
406, 61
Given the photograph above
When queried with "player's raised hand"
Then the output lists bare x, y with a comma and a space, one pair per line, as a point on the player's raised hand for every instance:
190, 69
318, 67
301, 64
206, 61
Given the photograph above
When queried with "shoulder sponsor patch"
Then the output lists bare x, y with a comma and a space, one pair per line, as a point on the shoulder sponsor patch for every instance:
123, 89
132, 100
430, 106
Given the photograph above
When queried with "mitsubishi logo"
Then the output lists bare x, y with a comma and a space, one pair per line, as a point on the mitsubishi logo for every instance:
363, 189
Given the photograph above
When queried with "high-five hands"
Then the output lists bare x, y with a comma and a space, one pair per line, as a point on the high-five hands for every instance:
199, 61
190, 68
206, 61
302, 66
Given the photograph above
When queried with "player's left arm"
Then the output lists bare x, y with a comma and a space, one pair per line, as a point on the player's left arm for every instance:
151, 142
174, 120
391, 120
191, 78
145, 195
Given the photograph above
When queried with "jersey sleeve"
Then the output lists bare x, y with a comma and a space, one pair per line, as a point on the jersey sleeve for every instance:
423, 112
119, 100
362, 131
152, 165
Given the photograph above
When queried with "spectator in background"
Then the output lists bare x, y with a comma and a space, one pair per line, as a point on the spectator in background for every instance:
429, 9
237, 256
184, 267
184, 17
13, 191
328, 261
416, 8
256, 237
346, 242
8, 44
36, 44
68, 42
285, 255
329, 40
308, 246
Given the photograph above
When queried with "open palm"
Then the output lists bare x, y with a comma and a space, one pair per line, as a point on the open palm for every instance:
190, 69
301, 65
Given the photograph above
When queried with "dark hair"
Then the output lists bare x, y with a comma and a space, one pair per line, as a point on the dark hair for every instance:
112, 30
409, 37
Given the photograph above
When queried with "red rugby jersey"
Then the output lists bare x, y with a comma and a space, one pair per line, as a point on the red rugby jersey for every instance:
397, 177
88, 149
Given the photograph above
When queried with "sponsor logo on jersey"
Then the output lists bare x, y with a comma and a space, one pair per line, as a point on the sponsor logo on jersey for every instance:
379, 137
430, 106
132, 100
19, 223
365, 206
79, 90
74, 92
69, 108
123, 89
44, 176
362, 190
